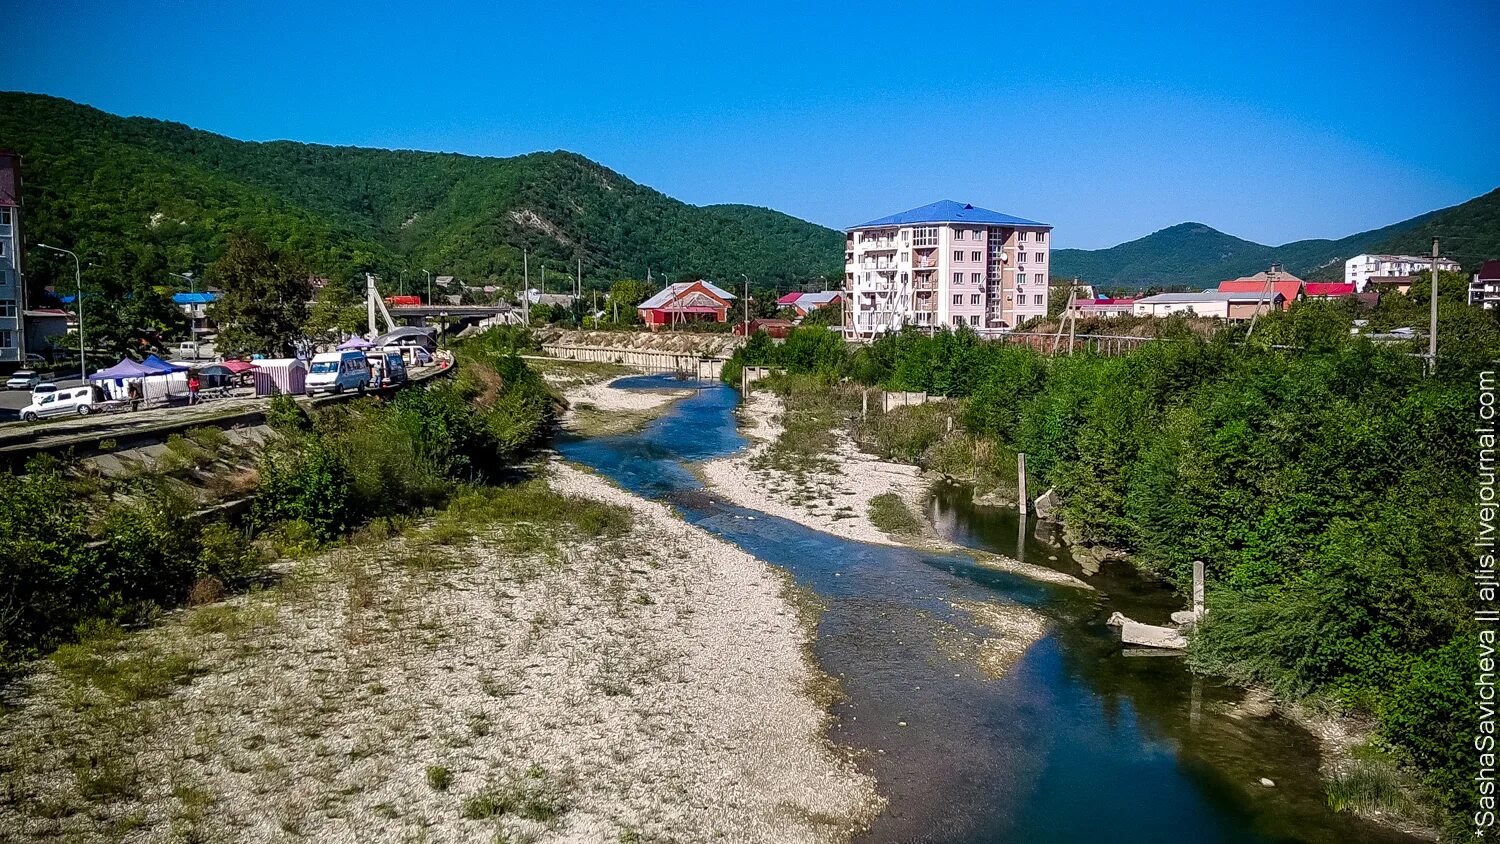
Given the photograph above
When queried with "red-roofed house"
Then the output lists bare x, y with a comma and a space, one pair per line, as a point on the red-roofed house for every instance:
1327, 289
1288, 285
696, 301
1484, 290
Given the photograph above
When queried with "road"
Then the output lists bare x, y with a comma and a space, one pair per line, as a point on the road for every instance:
11, 401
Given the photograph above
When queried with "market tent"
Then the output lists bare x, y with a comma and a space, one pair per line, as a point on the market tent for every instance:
237, 366
354, 343
126, 368
160, 365
280, 375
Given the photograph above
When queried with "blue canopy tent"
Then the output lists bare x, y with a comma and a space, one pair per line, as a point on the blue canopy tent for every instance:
162, 366
126, 368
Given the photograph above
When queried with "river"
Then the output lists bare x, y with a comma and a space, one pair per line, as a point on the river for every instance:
1075, 743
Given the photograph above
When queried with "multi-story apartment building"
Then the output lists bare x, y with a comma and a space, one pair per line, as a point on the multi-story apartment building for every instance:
12, 284
944, 264
1361, 268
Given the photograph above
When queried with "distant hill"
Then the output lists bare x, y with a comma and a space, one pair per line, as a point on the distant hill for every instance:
1197, 255
146, 196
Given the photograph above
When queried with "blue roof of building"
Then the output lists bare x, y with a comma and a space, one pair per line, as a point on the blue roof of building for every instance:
948, 211
194, 298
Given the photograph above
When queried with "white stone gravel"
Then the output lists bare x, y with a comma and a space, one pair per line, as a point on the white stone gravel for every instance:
657, 687
835, 500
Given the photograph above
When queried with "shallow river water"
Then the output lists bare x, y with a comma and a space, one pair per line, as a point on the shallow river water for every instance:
1075, 743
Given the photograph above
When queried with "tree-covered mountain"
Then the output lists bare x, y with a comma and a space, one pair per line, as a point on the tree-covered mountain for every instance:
142, 197
1197, 255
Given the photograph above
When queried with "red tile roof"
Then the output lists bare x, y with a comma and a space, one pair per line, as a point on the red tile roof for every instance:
1328, 288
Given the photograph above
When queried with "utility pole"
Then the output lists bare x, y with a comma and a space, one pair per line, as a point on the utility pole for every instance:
1432, 326
525, 287
83, 367
401, 284
578, 285
429, 286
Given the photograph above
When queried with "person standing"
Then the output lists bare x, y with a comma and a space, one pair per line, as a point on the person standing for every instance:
193, 385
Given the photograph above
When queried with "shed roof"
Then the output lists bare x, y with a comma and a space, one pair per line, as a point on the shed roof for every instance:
1207, 296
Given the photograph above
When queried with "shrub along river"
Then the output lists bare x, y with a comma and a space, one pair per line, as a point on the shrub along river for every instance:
1076, 742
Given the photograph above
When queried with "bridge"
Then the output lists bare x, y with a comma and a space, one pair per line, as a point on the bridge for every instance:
423, 312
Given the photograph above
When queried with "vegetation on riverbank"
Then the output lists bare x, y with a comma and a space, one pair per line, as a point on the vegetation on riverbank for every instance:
79, 550
1326, 482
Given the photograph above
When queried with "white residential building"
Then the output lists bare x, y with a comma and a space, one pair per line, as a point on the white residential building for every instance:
945, 264
1361, 268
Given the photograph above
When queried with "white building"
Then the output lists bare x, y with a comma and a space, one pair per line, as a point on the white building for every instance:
945, 264
1231, 306
1361, 268
1484, 290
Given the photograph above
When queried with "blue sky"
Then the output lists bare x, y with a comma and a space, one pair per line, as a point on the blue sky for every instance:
1273, 120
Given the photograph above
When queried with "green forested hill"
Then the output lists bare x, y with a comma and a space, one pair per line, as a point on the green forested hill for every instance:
145, 196
1196, 255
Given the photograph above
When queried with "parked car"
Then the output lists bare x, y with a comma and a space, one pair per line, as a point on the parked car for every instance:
42, 389
335, 372
23, 379
74, 400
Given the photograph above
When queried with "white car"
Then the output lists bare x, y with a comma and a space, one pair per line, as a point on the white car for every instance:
23, 379
72, 401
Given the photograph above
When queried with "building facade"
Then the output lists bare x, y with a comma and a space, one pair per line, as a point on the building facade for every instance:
1484, 290
944, 264
697, 301
1361, 268
12, 278
1229, 306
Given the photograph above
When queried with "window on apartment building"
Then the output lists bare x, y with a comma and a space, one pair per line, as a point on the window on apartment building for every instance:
4, 216
976, 257
1041, 237
7, 310
7, 339
1021, 236
958, 278
926, 236
904, 257
974, 319
973, 278
958, 255
905, 236
958, 320
973, 298
1020, 278
2, 249
1037, 298
1040, 257
958, 234
1020, 257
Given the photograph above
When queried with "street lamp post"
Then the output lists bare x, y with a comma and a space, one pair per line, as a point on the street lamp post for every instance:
83, 367
192, 287
429, 287
746, 304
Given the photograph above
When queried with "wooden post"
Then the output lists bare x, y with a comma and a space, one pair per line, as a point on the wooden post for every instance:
864, 409
1021, 481
1198, 607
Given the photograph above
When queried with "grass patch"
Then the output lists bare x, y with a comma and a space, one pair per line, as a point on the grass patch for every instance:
100, 660
536, 796
889, 513
1370, 782
817, 416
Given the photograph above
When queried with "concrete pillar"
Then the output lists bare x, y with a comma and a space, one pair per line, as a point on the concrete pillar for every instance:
1198, 607
1021, 482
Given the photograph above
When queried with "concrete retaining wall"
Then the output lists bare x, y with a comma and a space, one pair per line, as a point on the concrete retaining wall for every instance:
891, 400
652, 361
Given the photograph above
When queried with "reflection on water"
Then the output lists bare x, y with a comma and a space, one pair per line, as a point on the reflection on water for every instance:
1076, 743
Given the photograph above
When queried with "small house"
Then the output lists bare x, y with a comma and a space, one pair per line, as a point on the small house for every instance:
695, 301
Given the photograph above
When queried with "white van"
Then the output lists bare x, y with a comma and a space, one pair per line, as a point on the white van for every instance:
335, 372
74, 400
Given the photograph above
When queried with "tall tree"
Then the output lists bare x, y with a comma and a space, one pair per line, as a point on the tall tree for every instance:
264, 305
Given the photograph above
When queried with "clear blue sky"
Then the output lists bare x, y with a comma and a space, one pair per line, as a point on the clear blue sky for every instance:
1273, 121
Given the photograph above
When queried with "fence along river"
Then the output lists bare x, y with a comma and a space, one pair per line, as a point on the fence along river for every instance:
1077, 742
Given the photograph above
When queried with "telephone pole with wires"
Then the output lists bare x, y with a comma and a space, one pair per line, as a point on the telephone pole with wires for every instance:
1432, 326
